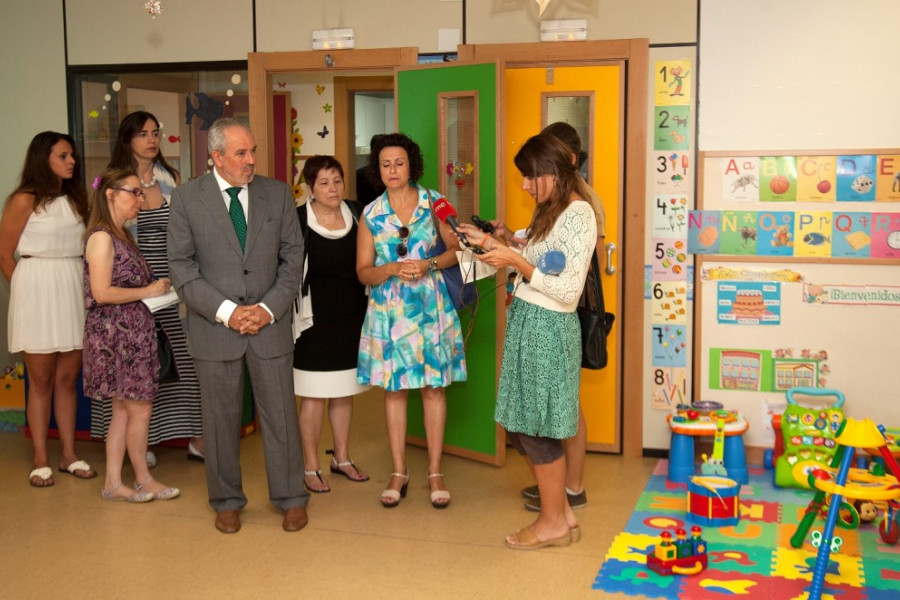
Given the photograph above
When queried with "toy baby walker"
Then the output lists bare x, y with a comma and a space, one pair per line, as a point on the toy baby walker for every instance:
679, 557
841, 481
807, 436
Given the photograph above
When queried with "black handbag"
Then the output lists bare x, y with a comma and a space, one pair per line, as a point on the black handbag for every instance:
168, 370
596, 323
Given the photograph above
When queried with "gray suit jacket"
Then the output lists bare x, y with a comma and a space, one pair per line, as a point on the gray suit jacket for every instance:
207, 265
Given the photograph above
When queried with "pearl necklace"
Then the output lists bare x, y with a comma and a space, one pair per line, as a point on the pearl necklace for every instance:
148, 184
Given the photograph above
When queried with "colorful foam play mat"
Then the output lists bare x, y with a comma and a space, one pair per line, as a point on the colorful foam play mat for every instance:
752, 559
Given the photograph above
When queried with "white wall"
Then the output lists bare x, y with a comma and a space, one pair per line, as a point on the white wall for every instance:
103, 32
508, 21
288, 25
805, 74
33, 98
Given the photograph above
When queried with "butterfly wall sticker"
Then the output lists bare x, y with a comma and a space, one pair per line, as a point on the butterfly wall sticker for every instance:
323, 133
282, 84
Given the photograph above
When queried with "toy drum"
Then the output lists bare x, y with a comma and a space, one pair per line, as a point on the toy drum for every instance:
713, 501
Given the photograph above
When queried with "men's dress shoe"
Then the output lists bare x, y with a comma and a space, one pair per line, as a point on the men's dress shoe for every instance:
295, 518
228, 521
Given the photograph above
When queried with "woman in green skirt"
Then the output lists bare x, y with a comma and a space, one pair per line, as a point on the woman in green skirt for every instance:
537, 401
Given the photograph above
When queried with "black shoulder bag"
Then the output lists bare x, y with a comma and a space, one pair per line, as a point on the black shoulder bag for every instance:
596, 323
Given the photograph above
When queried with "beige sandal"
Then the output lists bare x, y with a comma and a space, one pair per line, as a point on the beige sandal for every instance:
391, 497
439, 498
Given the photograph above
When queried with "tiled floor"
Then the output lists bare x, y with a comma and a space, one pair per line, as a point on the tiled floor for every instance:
65, 542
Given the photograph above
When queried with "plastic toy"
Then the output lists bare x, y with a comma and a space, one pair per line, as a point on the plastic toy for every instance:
687, 423
715, 464
841, 481
679, 557
807, 436
713, 501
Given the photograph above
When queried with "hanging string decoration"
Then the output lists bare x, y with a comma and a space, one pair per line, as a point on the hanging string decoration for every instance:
154, 8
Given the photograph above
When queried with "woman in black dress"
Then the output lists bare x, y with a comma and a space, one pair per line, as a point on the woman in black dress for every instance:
325, 354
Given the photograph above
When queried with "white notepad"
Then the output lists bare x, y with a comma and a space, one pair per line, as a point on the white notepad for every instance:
160, 302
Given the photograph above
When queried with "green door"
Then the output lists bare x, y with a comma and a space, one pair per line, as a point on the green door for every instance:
451, 112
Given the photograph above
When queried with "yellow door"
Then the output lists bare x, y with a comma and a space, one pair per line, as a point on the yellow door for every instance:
530, 92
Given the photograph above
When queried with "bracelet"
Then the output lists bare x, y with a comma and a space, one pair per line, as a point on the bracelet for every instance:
433, 264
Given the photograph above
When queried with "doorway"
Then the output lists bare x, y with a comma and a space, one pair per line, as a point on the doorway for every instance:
633, 56
544, 66
374, 66
363, 107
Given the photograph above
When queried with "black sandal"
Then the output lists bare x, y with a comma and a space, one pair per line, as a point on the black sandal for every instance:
318, 474
338, 468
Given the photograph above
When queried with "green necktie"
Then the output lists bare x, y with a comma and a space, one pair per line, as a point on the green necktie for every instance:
237, 215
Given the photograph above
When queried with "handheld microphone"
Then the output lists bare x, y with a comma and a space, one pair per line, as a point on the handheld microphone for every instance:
446, 213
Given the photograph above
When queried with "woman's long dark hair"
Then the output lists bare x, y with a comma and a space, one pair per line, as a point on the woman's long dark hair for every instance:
38, 178
100, 213
122, 155
544, 154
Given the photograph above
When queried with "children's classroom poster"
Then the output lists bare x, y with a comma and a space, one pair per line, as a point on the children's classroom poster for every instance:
816, 178
740, 179
856, 178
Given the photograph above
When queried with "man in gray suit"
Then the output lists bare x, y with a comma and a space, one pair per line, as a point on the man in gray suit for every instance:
234, 248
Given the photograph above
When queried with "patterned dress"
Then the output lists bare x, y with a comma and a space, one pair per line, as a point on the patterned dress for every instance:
411, 337
120, 358
176, 411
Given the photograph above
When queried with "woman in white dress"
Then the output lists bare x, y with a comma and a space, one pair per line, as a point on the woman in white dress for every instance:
43, 222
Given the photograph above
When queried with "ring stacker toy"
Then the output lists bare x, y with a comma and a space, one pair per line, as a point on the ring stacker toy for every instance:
688, 423
852, 434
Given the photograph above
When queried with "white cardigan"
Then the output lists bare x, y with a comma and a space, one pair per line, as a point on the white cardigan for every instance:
575, 235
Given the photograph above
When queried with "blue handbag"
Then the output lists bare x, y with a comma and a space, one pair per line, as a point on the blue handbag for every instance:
462, 294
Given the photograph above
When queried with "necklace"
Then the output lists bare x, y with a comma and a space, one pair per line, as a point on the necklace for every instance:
148, 184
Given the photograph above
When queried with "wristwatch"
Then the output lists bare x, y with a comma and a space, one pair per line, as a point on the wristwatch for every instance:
432, 264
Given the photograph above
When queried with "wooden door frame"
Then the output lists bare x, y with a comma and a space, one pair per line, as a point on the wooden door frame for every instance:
636, 55
262, 65
345, 112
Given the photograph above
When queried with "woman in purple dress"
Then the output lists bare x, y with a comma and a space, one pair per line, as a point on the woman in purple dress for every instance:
120, 352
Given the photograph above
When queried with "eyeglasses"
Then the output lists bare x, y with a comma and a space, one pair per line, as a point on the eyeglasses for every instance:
136, 192
402, 249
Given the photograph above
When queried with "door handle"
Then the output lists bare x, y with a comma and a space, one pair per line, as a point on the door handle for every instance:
610, 267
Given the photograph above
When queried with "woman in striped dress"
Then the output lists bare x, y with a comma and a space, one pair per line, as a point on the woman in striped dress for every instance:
176, 410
